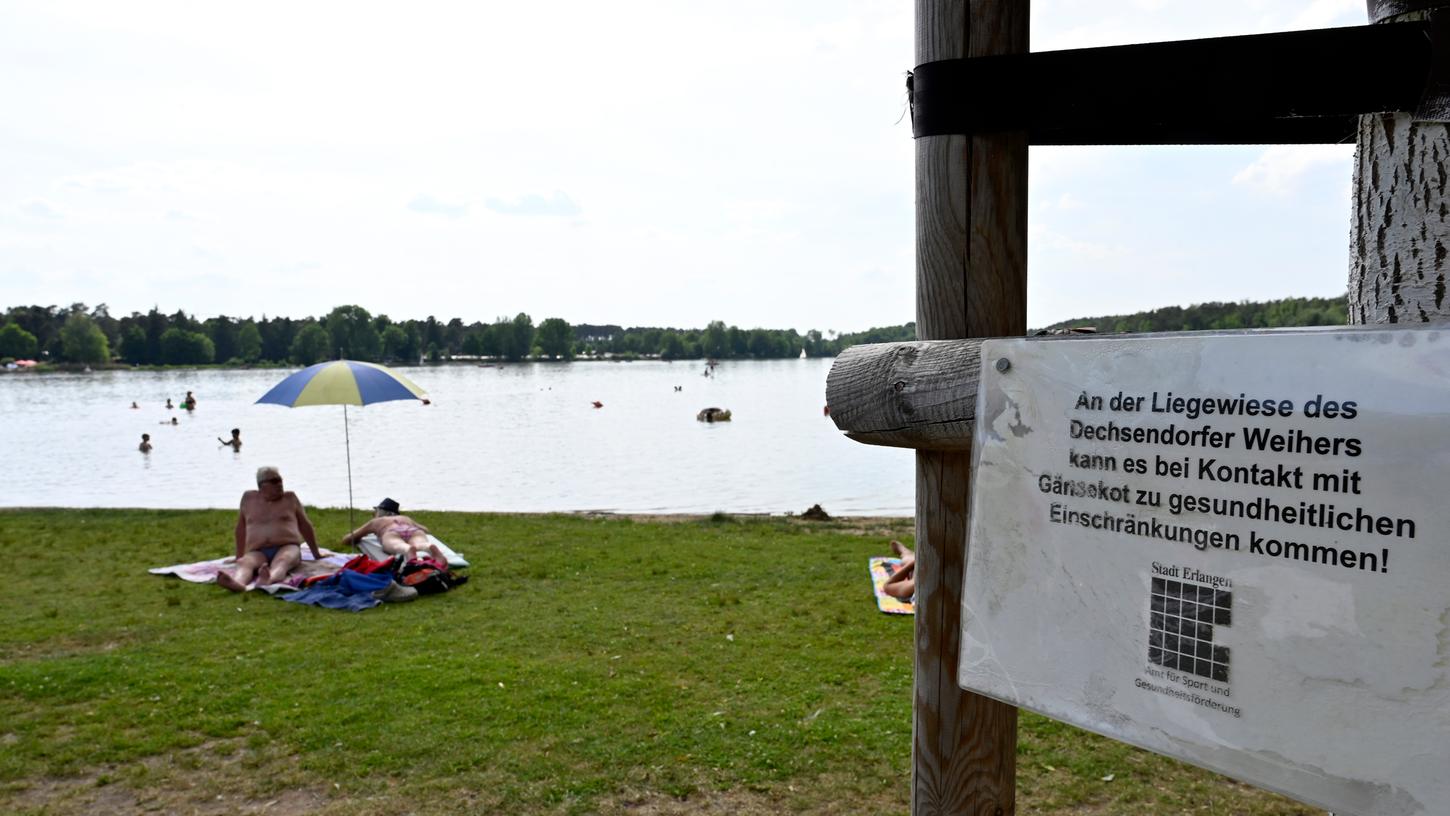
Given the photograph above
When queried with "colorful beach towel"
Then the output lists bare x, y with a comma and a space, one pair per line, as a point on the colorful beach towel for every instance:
204, 572
882, 568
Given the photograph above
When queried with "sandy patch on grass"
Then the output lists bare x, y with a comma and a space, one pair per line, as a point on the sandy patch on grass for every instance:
214, 778
87, 795
744, 803
812, 798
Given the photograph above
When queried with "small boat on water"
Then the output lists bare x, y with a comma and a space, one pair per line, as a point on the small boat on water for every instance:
713, 415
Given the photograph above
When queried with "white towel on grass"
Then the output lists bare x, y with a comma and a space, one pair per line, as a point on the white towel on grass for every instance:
370, 546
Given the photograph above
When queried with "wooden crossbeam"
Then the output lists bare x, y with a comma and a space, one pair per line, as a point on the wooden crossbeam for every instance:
919, 395
1294, 87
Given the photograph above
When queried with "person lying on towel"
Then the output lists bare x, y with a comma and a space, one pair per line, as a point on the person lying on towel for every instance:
270, 526
902, 583
397, 533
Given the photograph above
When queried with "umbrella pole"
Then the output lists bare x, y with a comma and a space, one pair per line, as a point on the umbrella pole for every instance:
347, 443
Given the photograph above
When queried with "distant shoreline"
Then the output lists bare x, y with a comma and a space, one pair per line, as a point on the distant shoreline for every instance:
80, 368
648, 518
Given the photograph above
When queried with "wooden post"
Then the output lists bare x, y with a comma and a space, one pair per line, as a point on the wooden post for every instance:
1401, 232
971, 281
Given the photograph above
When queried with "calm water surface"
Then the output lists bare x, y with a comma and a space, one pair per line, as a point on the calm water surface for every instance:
521, 437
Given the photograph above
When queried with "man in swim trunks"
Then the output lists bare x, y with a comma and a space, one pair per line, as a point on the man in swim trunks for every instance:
397, 533
270, 525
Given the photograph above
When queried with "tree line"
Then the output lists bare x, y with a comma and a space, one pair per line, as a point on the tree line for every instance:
1219, 316
82, 334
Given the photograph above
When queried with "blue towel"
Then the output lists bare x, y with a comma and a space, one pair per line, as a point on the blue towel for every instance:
343, 590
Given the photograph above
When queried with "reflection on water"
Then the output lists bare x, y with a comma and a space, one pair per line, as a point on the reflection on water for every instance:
520, 437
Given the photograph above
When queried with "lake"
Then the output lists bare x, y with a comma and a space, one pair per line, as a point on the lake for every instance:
507, 438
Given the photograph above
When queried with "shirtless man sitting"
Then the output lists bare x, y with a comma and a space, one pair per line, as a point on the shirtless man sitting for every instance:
397, 533
270, 525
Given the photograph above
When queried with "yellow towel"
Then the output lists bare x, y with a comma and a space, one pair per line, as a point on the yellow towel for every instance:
882, 569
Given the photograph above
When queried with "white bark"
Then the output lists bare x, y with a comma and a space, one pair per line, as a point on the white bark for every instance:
1401, 233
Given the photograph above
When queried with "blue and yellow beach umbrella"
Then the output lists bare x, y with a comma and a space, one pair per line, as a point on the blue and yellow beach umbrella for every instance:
343, 382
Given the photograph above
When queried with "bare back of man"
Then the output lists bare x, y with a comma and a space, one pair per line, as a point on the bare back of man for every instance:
271, 525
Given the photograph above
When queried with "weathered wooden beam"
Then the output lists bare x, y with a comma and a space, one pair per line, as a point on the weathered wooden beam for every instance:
971, 281
1292, 86
919, 395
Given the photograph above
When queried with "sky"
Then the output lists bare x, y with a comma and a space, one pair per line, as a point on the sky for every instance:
639, 162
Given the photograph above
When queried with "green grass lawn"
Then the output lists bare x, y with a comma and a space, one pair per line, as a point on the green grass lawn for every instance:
591, 665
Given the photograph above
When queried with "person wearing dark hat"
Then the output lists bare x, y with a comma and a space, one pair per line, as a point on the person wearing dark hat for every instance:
398, 534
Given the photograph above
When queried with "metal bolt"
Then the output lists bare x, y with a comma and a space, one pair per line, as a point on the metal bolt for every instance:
899, 386
1003, 364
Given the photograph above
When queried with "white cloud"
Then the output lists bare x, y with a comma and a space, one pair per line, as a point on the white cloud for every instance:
1280, 168
1328, 13
429, 205
1092, 23
1079, 249
559, 204
36, 208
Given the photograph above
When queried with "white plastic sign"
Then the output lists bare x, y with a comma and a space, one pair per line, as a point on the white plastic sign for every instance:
1231, 549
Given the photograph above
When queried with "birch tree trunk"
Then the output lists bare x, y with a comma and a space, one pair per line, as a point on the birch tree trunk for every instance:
1401, 233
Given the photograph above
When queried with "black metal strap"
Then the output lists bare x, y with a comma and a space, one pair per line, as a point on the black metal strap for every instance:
1296, 87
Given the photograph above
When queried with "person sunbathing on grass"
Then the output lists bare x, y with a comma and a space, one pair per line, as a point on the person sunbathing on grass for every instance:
270, 525
902, 583
397, 533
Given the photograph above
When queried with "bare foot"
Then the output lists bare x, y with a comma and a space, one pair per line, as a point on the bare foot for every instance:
438, 554
899, 548
229, 581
